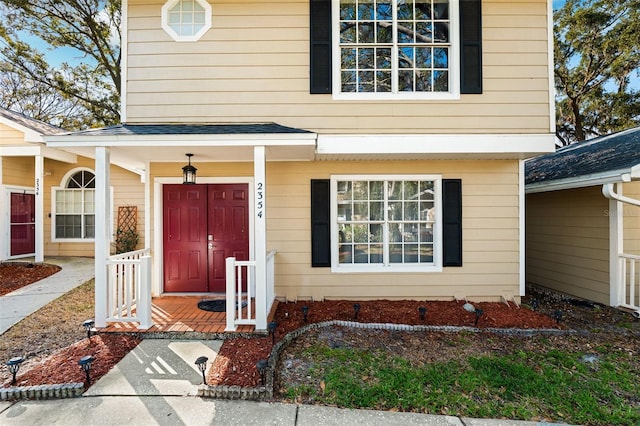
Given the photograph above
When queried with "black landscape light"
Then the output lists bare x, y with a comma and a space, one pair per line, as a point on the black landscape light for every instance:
261, 365
557, 315
423, 312
305, 312
201, 362
85, 363
88, 326
535, 304
479, 313
14, 365
356, 309
272, 330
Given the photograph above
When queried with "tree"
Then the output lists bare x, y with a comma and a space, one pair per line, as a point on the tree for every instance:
597, 52
70, 96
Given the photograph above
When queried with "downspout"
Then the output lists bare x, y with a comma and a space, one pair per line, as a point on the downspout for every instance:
608, 190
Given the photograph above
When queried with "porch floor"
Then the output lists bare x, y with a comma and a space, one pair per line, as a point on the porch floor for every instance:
178, 314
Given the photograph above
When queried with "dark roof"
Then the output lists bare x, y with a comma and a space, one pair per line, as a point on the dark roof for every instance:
617, 151
31, 123
188, 129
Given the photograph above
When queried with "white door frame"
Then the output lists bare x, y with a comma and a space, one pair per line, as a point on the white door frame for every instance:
157, 286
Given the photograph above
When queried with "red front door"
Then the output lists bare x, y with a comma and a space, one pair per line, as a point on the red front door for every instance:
23, 224
203, 225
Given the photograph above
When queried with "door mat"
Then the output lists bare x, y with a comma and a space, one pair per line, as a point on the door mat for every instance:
217, 305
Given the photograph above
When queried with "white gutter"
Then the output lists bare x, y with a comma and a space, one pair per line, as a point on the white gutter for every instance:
604, 178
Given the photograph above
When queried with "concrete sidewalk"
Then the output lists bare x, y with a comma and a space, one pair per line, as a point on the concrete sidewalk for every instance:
28, 299
192, 411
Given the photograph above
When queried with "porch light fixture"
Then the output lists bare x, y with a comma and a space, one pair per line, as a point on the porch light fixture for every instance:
189, 172
201, 362
88, 325
14, 365
85, 363
423, 312
261, 365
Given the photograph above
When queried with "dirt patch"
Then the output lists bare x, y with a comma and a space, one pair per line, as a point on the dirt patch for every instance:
14, 275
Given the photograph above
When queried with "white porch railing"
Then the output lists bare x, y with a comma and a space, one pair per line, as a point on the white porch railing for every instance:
630, 277
241, 290
129, 288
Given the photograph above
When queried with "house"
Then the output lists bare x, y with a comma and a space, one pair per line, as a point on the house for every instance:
583, 220
344, 149
47, 194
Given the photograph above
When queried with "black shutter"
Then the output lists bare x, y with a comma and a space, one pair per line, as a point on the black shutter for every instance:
320, 35
470, 46
452, 222
320, 227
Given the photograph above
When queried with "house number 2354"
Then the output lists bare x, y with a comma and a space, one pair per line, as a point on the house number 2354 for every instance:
260, 199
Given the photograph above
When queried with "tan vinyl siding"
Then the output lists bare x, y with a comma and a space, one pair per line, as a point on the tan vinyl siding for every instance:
11, 136
127, 190
490, 222
567, 238
253, 66
18, 171
631, 215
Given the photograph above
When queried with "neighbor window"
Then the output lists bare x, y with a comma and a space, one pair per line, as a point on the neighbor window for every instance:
386, 223
74, 207
395, 48
186, 20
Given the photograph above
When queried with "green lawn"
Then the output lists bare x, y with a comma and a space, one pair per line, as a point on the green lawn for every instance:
554, 385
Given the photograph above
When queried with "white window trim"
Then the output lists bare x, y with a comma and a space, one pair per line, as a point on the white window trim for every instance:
64, 181
177, 37
454, 65
436, 266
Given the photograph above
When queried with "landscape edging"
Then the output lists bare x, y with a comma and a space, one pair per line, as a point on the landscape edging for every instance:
59, 391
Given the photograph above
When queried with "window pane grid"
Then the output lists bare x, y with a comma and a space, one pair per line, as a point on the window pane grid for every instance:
187, 17
385, 222
396, 47
75, 207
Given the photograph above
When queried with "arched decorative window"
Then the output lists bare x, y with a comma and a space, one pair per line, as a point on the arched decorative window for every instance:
74, 206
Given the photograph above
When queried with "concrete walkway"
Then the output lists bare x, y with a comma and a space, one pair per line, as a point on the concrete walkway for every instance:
28, 299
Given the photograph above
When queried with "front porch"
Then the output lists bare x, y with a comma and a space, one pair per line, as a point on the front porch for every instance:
179, 315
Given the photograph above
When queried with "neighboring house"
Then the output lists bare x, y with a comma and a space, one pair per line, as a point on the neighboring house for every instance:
47, 203
376, 148
583, 219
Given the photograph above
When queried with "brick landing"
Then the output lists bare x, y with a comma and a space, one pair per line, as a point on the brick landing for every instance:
179, 315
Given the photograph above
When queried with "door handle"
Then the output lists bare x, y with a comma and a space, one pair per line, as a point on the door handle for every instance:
210, 246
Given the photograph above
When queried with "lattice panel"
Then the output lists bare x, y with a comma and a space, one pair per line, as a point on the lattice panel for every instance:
128, 218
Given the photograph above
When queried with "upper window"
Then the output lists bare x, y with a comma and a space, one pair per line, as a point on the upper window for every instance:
396, 48
386, 223
186, 20
74, 207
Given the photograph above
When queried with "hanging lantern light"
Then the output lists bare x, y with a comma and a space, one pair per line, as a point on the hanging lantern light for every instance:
189, 172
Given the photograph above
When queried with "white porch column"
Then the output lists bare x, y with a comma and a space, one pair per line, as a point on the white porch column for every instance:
260, 244
102, 238
39, 207
616, 281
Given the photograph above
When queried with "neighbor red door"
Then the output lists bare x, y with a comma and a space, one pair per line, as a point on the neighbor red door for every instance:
23, 224
203, 225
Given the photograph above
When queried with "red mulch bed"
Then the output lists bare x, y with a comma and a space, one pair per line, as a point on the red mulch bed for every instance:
14, 275
236, 361
62, 367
